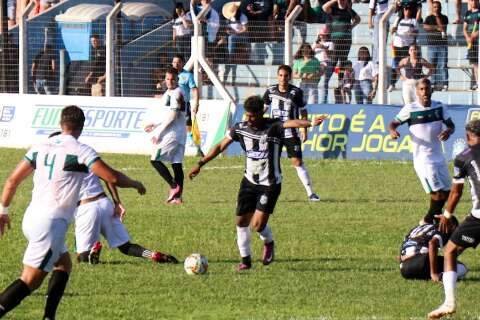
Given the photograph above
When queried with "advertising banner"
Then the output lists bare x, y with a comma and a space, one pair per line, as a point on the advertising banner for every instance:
361, 132
111, 125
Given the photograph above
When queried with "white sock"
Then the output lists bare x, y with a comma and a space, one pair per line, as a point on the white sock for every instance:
243, 241
305, 178
449, 284
266, 234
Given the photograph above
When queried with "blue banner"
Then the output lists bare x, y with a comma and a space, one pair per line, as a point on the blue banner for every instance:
361, 132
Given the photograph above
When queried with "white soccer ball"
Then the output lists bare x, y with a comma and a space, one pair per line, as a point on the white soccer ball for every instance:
195, 264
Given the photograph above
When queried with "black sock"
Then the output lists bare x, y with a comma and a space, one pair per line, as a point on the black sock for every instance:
247, 260
13, 295
56, 288
134, 250
164, 173
436, 207
178, 172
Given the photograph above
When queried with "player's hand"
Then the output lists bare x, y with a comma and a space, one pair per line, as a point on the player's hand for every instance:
394, 134
194, 172
444, 135
119, 211
195, 108
4, 221
149, 127
444, 225
303, 136
140, 187
318, 120
435, 277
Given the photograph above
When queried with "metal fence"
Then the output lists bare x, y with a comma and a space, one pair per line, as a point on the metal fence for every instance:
61, 57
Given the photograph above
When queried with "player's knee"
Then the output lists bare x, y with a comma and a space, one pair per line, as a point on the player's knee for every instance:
258, 226
297, 162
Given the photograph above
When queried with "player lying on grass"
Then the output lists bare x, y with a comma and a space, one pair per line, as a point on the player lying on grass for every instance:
419, 257
261, 139
95, 215
59, 166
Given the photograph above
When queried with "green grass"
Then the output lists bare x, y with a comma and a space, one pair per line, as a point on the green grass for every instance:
335, 259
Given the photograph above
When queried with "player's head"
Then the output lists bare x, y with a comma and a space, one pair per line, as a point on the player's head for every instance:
284, 74
424, 91
253, 110
178, 62
473, 132
171, 78
72, 120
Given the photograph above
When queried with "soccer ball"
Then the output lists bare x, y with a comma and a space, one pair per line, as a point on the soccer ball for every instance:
195, 264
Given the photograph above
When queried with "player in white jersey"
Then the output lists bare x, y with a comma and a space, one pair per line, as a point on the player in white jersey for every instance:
60, 165
166, 127
260, 138
427, 120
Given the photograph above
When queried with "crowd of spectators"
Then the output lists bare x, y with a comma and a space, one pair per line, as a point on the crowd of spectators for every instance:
16, 7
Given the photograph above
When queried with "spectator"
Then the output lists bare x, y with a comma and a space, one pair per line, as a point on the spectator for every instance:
342, 20
260, 15
308, 69
470, 31
46, 4
96, 74
210, 22
376, 10
235, 29
323, 48
281, 10
413, 71
347, 82
366, 73
43, 70
182, 30
405, 31
436, 27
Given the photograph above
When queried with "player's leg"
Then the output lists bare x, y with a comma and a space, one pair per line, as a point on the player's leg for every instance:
179, 178
87, 232
294, 152
416, 267
246, 202
57, 284
266, 201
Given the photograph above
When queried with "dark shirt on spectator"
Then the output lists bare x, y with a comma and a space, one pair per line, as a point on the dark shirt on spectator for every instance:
43, 64
97, 62
264, 6
470, 19
435, 37
341, 23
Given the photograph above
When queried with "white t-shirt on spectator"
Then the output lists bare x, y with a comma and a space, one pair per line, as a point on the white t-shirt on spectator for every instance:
403, 37
365, 72
380, 6
322, 54
180, 29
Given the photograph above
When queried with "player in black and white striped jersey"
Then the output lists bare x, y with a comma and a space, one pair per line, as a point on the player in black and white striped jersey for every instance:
286, 102
261, 140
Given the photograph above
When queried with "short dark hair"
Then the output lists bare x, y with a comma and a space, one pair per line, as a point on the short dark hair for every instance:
286, 68
423, 81
473, 126
253, 104
95, 35
72, 117
173, 71
179, 56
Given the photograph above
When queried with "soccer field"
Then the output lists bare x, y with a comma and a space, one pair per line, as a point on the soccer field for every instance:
334, 260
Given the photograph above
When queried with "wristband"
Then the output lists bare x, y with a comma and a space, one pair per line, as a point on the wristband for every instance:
447, 214
3, 210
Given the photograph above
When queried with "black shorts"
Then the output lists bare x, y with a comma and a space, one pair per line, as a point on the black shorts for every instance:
418, 267
467, 234
188, 114
472, 53
293, 146
253, 197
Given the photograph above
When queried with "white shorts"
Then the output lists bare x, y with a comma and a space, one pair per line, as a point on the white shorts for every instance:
46, 239
434, 176
95, 218
172, 152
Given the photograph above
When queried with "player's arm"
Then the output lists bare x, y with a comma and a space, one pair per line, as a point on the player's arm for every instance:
196, 98
104, 171
172, 114
302, 123
214, 152
119, 209
20, 173
445, 134
392, 128
303, 131
433, 246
